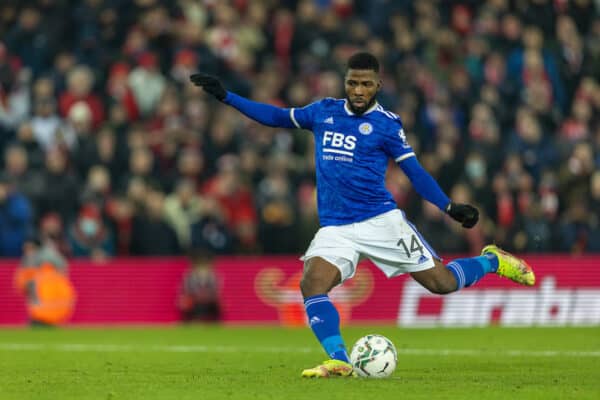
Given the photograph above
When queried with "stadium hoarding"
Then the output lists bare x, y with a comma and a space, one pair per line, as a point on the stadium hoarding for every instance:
567, 293
265, 290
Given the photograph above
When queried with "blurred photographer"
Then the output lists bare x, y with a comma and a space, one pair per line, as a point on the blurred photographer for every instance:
199, 294
42, 278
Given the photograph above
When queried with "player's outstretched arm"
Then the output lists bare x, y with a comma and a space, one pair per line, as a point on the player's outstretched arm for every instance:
266, 114
428, 188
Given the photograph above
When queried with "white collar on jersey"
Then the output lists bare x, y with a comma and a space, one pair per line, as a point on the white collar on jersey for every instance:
349, 112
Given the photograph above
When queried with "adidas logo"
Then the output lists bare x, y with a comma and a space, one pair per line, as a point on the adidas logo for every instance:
328, 120
315, 320
422, 259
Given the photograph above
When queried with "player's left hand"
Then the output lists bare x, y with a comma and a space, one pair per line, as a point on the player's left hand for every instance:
210, 84
466, 214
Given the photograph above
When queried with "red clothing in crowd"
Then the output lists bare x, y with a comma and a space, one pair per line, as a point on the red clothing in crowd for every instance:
68, 99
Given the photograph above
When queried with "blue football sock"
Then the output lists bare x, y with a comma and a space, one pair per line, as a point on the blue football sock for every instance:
493, 260
324, 320
467, 271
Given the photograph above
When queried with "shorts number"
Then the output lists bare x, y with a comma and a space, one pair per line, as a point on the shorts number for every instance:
415, 245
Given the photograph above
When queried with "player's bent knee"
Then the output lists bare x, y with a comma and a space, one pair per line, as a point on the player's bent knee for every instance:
319, 277
314, 284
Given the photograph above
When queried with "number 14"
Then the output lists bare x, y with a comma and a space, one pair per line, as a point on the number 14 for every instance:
415, 245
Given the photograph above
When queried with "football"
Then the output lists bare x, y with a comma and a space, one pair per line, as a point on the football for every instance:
374, 356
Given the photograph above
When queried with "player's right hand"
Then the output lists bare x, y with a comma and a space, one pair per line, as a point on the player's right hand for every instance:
210, 84
466, 214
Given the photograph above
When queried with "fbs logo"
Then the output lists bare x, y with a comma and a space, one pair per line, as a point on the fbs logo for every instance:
339, 140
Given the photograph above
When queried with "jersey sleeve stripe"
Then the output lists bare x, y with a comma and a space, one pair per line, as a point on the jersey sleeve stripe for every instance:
405, 156
294, 118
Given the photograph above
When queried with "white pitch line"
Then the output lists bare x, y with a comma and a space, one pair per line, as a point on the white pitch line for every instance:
119, 348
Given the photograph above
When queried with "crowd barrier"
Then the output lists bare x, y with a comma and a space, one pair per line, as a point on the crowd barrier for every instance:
265, 290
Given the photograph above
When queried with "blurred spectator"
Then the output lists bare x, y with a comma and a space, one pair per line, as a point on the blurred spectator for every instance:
575, 173
26, 180
120, 212
476, 176
26, 138
14, 104
236, 201
190, 165
277, 209
61, 187
439, 231
571, 54
52, 233
536, 151
48, 128
198, 299
117, 87
80, 121
30, 41
64, 61
147, 83
97, 189
533, 232
141, 166
182, 209
594, 204
575, 228
102, 150
80, 84
15, 218
151, 235
89, 236
221, 140
577, 125
210, 231
308, 218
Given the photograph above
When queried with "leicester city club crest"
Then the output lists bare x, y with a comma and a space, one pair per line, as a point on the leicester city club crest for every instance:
365, 128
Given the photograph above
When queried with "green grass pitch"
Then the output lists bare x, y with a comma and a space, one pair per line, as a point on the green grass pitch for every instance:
211, 362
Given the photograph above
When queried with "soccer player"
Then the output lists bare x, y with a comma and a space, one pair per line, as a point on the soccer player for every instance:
354, 138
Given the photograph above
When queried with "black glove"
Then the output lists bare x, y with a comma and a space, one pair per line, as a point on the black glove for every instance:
210, 84
466, 214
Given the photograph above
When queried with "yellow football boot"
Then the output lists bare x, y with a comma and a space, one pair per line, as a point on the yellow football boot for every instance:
510, 266
329, 368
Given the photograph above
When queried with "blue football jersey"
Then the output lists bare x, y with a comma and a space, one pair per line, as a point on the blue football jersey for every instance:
352, 153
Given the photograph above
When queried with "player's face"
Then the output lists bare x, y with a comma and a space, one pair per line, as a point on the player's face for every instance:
361, 87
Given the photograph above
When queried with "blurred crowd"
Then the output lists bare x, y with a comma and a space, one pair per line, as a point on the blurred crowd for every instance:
108, 150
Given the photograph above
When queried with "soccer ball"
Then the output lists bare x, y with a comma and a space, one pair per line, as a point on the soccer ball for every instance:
374, 356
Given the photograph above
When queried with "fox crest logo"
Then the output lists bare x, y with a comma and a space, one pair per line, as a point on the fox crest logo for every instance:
277, 288
365, 128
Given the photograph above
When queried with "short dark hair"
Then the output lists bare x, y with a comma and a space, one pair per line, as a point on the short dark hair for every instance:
363, 60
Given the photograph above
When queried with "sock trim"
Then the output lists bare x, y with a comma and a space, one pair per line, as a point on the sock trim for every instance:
309, 301
459, 274
306, 305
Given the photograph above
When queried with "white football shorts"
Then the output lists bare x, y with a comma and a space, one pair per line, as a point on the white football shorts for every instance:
389, 240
